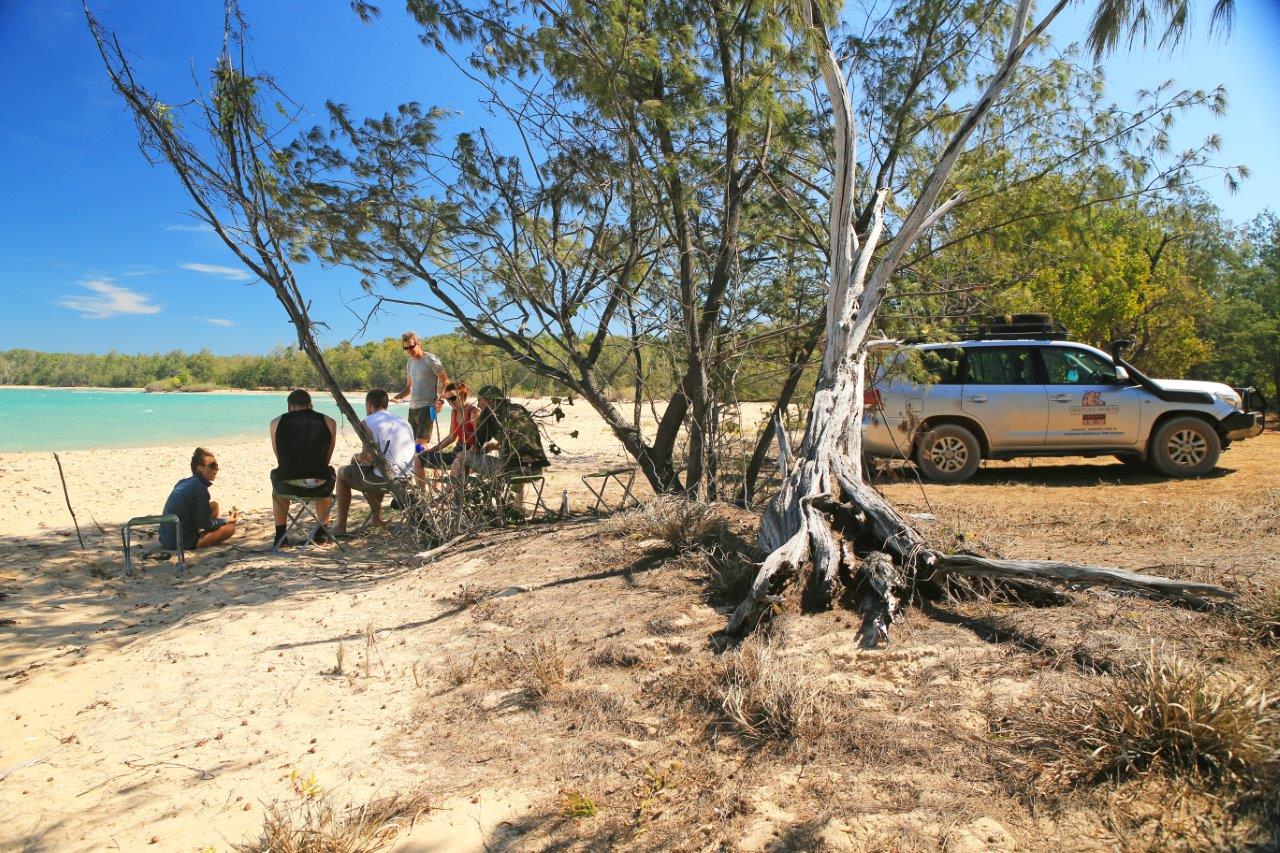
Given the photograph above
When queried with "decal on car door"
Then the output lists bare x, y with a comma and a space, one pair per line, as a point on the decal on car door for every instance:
1093, 411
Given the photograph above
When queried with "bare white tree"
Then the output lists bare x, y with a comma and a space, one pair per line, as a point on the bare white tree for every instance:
826, 526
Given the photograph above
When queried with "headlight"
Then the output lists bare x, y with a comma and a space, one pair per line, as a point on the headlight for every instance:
1231, 398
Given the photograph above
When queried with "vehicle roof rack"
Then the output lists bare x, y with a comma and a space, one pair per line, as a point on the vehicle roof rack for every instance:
1016, 327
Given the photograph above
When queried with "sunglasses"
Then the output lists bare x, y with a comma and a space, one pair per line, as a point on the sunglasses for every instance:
213, 465
451, 398
411, 346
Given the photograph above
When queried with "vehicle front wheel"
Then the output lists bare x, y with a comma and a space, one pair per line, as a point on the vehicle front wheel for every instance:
948, 453
1185, 447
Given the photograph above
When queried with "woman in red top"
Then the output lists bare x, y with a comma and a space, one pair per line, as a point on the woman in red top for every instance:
462, 429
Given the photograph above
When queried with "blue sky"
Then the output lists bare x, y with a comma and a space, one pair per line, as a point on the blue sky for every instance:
96, 252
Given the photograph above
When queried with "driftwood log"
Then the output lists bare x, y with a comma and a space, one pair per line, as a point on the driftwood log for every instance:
827, 530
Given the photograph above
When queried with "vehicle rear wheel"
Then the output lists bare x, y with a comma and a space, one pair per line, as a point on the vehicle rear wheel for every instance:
948, 453
1185, 447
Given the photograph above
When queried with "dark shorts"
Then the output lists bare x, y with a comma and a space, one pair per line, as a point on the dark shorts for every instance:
324, 490
363, 478
439, 459
420, 420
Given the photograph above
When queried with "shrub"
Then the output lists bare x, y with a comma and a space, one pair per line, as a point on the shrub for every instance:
544, 668
1164, 715
680, 523
316, 825
767, 698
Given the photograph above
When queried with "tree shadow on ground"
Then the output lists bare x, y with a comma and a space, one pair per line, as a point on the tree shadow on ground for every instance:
1071, 474
63, 600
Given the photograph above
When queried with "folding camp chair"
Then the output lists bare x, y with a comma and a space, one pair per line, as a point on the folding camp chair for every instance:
303, 519
615, 474
126, 536
536, 482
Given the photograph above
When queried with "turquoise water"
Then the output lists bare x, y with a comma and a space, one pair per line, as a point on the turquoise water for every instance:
69, 419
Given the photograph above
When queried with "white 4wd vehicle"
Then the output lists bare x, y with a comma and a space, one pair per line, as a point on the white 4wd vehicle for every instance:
1030, 396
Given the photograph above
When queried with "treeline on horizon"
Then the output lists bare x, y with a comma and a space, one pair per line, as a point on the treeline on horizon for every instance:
375, 364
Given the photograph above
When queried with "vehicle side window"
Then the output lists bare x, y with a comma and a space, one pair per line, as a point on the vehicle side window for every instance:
941, 366
1005, 366
1076, 367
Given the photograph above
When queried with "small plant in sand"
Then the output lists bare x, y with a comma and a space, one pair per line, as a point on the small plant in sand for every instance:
467, 595
680, 523
544, 668
576, 804
1259, 615
765, 697
316, 825
307, 787
463, 671
1163, 715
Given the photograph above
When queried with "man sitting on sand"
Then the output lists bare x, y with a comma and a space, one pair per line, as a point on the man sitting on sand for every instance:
189, 501
303, 441
394, 438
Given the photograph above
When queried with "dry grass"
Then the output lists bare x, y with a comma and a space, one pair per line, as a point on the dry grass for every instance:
544, 668
1259, 615
624, 655
316, 825
681, 524
1164, 715
467, 595
765, 697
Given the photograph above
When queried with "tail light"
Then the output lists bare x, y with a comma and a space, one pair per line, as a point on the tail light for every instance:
871, 398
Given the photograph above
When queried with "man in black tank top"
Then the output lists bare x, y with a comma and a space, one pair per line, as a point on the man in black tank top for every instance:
303, 441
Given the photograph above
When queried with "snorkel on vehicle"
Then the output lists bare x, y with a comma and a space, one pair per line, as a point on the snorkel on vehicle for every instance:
1169, 395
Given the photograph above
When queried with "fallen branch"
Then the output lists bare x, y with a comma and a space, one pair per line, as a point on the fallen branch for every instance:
1187, 592
67, 496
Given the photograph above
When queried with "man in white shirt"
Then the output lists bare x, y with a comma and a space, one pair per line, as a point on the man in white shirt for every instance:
394, 438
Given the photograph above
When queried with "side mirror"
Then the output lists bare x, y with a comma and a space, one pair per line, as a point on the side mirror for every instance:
1122, 375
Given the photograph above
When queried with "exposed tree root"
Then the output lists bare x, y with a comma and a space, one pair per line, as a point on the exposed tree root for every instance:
1186, 592
859, 543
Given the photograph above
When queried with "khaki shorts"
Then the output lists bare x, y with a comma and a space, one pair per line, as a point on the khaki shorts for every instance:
363, 478
420, 421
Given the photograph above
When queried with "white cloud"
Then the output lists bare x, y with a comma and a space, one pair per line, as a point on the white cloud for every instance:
213, 269
219, 321
199, 228
108, 300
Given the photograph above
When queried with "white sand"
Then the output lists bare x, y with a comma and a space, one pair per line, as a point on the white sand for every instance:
110, 486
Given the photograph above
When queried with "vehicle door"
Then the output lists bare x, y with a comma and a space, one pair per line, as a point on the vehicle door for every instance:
1004, 394
1087, 406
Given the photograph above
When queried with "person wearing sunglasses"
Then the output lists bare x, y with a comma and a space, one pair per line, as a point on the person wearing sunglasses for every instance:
202, 527
426, 377
462, 434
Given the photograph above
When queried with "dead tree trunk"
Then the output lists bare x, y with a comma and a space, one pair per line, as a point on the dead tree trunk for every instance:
826, 528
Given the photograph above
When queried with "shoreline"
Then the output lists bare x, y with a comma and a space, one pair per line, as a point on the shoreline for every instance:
256, 391
108, 486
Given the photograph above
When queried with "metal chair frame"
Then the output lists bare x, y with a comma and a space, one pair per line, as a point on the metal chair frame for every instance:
304, 519
535, 480
604, 477
126, 537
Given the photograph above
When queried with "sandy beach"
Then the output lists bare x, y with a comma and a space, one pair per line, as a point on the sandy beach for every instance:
109, 486
513, 676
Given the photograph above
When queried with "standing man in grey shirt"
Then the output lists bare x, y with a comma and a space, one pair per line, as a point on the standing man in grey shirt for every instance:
426, 378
